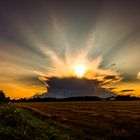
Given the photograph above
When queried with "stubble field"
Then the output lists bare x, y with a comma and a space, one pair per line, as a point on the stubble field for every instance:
92, 120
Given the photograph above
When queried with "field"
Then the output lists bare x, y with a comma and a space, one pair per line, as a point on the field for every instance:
96, 120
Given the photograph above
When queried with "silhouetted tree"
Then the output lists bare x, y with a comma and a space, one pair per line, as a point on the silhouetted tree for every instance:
2, 96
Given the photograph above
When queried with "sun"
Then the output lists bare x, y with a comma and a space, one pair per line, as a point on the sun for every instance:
80, 70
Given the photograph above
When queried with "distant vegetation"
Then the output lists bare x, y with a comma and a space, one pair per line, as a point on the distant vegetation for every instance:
48, 99
80, 98
126, 98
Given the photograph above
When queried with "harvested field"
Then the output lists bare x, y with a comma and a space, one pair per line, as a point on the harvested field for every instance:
95, 119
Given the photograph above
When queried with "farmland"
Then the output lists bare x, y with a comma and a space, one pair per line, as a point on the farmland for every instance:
92, 120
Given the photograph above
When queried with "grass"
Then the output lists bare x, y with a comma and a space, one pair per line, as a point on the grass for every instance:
20, 124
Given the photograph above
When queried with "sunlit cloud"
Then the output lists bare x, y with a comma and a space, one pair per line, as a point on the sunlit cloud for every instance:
138, 75
79, 64
67, 67
74, 63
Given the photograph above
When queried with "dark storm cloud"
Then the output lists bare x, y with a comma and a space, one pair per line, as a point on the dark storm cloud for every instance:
69, 87
112, 77
112, 88
71, 83
127, 90
113, 64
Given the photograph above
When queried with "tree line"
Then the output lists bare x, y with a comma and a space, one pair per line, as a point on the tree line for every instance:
3, 98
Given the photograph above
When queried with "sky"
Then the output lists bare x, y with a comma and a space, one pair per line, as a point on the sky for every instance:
51, 38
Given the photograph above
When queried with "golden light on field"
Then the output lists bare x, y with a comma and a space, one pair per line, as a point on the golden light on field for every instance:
80, 70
